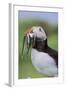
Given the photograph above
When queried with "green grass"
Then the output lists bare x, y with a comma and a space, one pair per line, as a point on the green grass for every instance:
26, 69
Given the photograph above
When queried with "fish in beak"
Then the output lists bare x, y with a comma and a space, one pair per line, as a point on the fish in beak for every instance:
28, 39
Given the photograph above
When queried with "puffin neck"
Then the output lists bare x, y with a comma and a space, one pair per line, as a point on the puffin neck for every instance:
40, 45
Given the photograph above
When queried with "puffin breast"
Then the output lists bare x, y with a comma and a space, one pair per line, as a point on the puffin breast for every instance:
43, 63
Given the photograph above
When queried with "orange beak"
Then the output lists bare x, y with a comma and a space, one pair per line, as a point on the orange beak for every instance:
28, 31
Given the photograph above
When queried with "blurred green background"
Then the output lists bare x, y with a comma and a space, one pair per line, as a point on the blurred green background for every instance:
25, 67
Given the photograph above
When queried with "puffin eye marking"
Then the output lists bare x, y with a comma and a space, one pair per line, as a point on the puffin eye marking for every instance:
40, 30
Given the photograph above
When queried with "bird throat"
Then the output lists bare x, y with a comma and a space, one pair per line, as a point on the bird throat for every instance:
40, 45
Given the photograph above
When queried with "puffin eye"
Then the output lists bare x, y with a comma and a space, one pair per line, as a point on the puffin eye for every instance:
40, 30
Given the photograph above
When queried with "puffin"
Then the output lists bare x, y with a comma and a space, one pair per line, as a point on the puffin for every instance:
44, 59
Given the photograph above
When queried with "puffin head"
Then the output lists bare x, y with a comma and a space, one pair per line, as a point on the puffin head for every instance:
36, 31
36, 37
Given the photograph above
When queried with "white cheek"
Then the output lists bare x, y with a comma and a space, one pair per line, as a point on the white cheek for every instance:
41, 35
45, 37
